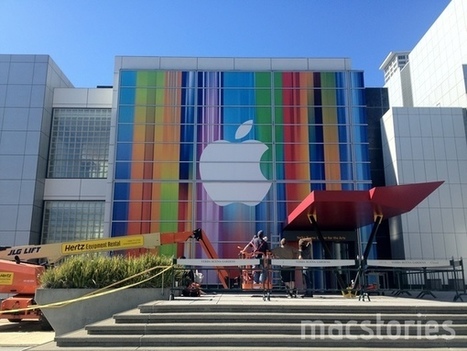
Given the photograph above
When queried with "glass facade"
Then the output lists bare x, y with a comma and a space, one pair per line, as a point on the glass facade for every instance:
79, 146
233, 152
72, 220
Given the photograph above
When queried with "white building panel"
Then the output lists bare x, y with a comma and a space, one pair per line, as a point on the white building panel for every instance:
427, 152
436, 61
83, 98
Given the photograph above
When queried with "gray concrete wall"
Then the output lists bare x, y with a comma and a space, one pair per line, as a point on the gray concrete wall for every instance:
77, 315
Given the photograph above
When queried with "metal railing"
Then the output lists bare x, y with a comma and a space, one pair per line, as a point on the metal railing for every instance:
384, 277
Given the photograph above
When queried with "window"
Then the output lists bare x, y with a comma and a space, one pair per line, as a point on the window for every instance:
79, 146
72, 220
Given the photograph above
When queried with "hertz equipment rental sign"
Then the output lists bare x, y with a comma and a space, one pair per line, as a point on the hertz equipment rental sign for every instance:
118, 243
6, 278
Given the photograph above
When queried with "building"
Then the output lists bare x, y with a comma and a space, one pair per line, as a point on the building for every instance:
27, 84
233, 145
397, 78
424, 137
230, 145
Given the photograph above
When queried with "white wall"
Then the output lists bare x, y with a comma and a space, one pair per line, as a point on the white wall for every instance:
437, 59
394, 86
231, 63
400, 88
429, 144
82, 98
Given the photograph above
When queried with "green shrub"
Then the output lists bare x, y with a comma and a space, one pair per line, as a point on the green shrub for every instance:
99, 271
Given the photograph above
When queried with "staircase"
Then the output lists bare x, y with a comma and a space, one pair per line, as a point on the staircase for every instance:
248, 323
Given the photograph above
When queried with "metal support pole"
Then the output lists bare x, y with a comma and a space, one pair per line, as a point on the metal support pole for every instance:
459, 295
327, 251
374, 230
363, 260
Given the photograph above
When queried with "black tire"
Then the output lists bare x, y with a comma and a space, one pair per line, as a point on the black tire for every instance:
45, 325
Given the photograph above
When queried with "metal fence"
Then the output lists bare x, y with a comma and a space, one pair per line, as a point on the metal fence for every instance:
349, 277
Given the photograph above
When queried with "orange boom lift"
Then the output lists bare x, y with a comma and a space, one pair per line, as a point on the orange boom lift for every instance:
22, 279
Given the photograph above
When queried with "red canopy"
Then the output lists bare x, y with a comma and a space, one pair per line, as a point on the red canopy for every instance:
351, 209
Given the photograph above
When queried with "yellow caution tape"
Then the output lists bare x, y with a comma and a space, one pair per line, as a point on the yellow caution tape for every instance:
96, 293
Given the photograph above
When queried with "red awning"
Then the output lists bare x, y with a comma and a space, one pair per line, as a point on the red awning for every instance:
351, 209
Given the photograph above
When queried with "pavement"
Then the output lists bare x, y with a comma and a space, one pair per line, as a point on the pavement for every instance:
22, 335
26, 334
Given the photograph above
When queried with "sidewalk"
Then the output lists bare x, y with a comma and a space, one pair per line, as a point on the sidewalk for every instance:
20, 336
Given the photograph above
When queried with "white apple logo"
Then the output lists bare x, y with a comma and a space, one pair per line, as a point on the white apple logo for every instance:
231, 172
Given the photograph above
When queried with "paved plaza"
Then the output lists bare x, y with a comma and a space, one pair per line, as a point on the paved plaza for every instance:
21, 336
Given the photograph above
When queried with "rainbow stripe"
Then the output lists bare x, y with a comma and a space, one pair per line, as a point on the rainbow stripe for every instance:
167, 118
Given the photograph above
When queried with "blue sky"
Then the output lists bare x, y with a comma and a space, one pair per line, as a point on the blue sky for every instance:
84, 36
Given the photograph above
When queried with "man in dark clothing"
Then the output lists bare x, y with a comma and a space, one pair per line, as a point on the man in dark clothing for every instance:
306, 253
259, 247
263, 245
258, 244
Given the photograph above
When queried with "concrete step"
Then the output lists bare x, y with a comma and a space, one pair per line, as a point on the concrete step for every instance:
287, 324
277, 317
352, 327
353, 307
285, 341
53, 347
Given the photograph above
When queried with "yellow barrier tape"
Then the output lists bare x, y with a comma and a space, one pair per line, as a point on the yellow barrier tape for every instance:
99, 292
133, 276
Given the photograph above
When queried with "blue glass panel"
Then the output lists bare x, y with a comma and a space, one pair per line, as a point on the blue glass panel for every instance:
356, 80
318, 119
127, 96
316, 153
359, 115
341, 99
234, 117
124, 151
358, 97
363, 185
125, 132
119, 229
360, 134
318, 186
363, 171
187, 132
127, 78
317, 171
345, 153
342, 117
315, 133
280, 189
238, 79
346, 170
120, 211
122, 170
125, 114
121, 191
340, 80
343, 135
361, 153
